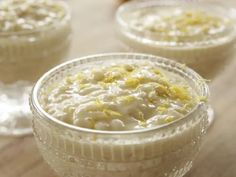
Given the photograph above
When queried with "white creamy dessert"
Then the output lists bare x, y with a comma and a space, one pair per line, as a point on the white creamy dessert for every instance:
198, 34
176, 26
34, 36
27, 15
121, 115
120, 96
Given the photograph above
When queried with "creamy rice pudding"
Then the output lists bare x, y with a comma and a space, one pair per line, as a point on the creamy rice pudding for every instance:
198, 34
179, 25
27, 15
34, 36
120, 96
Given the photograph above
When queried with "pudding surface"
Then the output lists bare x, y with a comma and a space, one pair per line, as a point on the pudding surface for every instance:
120, 96
27, 15
177, 25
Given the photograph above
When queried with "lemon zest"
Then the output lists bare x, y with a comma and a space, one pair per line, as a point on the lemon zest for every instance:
132, 82
180, 92
79, 76
129, 68
141, 116
111, 77
127, 99
161, 109
169, 119
99, 104
110, 112
156, 71
161, 90
82, 86
143, 124
69, 80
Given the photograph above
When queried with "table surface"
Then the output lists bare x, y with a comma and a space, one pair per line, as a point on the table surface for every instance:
94, 33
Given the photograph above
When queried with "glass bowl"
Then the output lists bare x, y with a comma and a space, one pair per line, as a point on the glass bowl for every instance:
72, 151
207, 54
24, 57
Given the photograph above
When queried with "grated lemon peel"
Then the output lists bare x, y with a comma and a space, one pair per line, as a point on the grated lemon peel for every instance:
141, 116
161, 90
69, 80
169, 119
132, 82
110, 112
161, 109
99, 104
180, 92
127, 99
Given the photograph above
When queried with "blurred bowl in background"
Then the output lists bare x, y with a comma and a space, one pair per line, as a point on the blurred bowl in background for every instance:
27, 54
199, 34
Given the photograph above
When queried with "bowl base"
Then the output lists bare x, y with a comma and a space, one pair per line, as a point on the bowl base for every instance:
15, 115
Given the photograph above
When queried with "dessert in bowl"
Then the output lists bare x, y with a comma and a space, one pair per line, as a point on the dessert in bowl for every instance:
120, 115
34, 36
199, 34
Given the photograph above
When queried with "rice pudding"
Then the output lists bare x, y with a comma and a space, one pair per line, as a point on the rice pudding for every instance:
121, 115
120, 96
34, 36
198, 34
27, 15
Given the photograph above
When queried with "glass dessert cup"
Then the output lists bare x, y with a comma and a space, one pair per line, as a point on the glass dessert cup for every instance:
208, 53
168, 150
24, 56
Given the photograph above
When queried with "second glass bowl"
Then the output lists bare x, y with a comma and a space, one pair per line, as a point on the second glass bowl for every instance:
207, 53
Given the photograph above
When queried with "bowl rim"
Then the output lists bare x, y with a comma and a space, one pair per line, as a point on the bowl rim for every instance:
66, 18
36, 107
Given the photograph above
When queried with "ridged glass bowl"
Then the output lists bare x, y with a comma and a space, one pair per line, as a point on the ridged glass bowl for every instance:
24, 57
72, 151
208, 55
